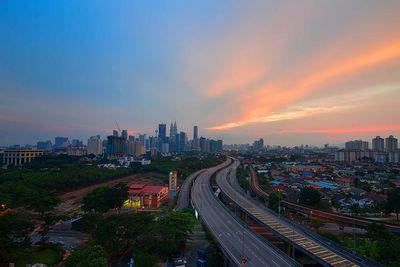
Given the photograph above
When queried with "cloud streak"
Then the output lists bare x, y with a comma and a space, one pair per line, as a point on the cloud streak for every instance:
257, 104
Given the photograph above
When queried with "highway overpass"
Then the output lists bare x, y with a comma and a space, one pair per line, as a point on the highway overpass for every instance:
236, 240
307, 243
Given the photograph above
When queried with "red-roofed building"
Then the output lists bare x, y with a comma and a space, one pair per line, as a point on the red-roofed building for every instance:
149, 196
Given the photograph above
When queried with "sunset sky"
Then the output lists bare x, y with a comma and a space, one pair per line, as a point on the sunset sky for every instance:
292, 72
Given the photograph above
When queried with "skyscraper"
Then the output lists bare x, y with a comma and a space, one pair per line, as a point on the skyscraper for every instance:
95, 145
44, 145
182, 141
173, 132
195, 138
378, 144
124, 134
142, 138
115, 133
162, 132
391, 144
60, 142
116, 146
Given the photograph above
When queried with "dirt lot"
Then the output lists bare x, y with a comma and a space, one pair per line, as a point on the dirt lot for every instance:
71, 200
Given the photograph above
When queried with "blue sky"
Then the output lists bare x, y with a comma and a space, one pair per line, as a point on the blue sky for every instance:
238, 69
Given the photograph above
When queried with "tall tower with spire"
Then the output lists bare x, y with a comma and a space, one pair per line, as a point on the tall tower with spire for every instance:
173, 132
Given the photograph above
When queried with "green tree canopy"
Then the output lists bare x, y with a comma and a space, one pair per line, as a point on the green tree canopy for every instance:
273, 201
387, 244
14, 230
170, 232
309, 196
120, 195
92, 256
104, 198
119, 232
99, 200
393, 201
42, 201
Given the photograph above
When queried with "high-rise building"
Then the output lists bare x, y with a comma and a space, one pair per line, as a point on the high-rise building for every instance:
124, 134
173, 136
44, 145
258, 144
131, 138
162, 132
195, 138
76, 143
378, 144
391, 144
116, 146
142, 138
61, 142
204, 145
357, 145
182, 141
95, 145
115, 133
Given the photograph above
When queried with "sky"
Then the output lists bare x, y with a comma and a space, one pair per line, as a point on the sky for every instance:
291, 72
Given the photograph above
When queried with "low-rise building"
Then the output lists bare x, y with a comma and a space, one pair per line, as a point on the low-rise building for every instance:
146, 196
19, 157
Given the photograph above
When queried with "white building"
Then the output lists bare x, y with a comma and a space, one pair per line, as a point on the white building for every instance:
18, 157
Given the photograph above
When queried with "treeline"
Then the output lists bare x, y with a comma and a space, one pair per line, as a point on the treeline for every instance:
148, 236
184, 167
48, 175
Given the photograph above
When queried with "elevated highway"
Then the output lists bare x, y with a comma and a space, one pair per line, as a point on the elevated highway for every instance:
184, 192
236, 240
309, 244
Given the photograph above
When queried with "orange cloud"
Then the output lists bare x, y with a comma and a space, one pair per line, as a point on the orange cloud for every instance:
264, 100
240, 72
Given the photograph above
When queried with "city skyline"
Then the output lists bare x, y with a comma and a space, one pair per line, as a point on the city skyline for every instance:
291, 73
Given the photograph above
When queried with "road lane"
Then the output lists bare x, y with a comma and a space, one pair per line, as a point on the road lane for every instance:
229, 232
303, 241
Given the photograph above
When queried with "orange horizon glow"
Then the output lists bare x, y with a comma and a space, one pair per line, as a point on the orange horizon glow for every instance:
366, 129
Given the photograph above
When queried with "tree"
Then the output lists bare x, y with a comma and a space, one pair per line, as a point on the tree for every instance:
393, 201
145, 259
104, 198
99, 200
355, 209
388, 244
14, 230
273, 201
92, 256
87, 224
309, 196
171, 232
118, 233
42, 201
120, 195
